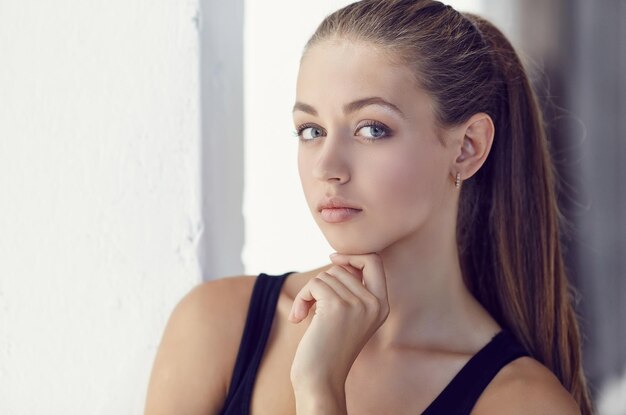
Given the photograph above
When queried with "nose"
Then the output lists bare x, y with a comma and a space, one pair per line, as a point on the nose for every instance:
332, 162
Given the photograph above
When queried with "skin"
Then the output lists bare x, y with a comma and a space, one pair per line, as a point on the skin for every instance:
388, 323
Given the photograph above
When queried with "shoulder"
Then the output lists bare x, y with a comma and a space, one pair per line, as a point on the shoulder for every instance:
198, 349
525, 386
217, 306
215, 294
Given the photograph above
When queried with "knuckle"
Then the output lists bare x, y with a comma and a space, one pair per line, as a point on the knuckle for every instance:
376, 308
384, 310
358, 305
354, 301
374, 305
337, 306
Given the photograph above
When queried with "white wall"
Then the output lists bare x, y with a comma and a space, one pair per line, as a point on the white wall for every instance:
99, 197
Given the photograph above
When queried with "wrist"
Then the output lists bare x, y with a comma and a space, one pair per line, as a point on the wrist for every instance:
327, 401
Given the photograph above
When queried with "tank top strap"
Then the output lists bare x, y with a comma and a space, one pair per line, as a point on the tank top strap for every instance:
462, 393
260, 315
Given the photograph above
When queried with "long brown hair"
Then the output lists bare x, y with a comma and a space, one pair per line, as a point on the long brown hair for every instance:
508, 224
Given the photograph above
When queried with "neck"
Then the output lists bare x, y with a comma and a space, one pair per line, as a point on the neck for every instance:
430, 305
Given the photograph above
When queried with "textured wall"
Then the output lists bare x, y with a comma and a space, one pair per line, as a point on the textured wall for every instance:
99, 197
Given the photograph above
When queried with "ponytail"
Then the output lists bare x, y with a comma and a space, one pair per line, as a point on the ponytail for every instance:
528, 288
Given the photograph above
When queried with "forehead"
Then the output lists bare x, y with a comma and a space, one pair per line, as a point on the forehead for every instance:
336, 72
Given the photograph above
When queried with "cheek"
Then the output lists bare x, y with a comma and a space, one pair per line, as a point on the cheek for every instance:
404, 180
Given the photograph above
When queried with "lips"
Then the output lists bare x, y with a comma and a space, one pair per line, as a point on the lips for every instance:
334, 215
336, 209
336, 202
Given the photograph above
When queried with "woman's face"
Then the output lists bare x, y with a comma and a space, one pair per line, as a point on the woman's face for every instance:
399, 178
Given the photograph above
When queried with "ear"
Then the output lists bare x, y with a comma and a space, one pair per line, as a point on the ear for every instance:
477, 138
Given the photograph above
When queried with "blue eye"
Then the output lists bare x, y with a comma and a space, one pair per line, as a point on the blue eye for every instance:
315, 132
377, 129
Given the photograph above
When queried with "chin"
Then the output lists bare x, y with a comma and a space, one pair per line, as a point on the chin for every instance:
355, 241
352, 245
350, 249
358, 243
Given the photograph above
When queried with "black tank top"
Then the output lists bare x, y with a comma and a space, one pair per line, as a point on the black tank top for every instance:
457, 398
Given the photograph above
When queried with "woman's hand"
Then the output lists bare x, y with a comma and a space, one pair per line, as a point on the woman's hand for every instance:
350, 305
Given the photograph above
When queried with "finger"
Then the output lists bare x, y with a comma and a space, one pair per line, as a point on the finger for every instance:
350, 281
301, 314
313, 290
356, 272
372, 269
336, 278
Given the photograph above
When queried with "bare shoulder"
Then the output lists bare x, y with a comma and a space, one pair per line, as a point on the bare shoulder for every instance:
196, 356
525, 386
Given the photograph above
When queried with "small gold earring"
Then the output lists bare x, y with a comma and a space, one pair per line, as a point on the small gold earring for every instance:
457, 182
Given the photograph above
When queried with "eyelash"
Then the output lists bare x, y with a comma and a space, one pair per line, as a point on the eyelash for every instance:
302, 127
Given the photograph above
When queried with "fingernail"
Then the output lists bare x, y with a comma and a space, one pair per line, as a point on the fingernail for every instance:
334, 254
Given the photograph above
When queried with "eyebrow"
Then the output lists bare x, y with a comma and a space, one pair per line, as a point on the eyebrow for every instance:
352, 106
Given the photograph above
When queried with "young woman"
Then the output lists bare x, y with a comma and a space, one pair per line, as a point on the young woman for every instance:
424, 161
